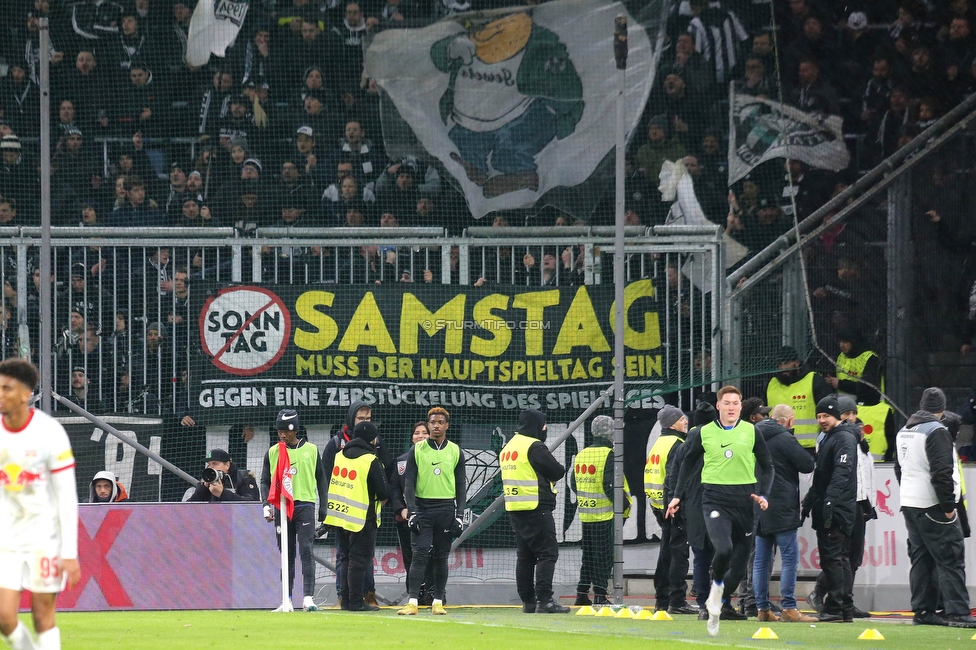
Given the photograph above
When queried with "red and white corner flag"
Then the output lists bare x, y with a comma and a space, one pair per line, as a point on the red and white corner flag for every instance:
282, 497
281, 494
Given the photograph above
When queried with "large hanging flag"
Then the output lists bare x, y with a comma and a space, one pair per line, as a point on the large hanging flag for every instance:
281, 484
761, 129
515, 102
213, 28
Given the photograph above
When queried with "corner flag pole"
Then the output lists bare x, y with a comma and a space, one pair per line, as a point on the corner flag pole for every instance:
620, 55
286, 605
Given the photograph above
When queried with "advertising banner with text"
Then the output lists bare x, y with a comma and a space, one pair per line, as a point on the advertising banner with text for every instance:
481, 352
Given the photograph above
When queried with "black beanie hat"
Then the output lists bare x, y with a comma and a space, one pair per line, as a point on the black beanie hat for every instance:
829, 406
365, 431
933, 400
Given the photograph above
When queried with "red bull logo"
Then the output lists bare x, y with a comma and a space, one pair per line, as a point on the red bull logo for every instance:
14, 478
883, 499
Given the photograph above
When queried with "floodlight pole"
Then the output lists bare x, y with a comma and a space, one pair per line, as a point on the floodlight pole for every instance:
46, 326
620, 55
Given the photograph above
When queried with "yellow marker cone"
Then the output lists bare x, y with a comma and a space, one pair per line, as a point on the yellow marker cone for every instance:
585, 610
624, 613
870, 634
645, 615
661, 615
606, 610
764, 633
972, 638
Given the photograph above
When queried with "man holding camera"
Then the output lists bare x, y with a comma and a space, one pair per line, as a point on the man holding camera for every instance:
223, 481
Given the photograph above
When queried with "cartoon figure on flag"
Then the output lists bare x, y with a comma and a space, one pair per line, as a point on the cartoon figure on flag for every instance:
513, 88
514, 102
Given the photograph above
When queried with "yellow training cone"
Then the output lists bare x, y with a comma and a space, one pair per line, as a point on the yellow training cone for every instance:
606, 610
870, 634
661, 615
972, 638
764, 633
624, 613
645, 615
585, 610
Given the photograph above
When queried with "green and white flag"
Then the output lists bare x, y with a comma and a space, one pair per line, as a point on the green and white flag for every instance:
515, 102
761, 129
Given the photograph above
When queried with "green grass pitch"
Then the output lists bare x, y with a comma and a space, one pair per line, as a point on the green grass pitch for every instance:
468, 627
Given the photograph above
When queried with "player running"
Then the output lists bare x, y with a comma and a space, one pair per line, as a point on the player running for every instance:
38, 511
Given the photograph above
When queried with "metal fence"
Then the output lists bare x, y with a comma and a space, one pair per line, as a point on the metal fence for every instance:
125, 308
888, 260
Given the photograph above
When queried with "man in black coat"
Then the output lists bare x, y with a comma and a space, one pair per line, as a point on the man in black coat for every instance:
832, 500
929, 478
230, 484
691, 516
778, 523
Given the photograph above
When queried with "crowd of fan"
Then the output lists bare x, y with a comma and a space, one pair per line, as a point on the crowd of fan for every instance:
287, 126
286, 131
889, 69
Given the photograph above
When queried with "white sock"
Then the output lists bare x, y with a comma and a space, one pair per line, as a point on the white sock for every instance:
717, 584
437, 601
49, 640
412, 601
20, 638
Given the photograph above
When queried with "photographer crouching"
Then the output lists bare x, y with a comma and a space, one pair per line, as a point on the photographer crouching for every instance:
223, 481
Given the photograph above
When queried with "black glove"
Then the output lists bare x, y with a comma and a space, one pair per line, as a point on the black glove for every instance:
457, 527
804, 513
828, 515
413, 522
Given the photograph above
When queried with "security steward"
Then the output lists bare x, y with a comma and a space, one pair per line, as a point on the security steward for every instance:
927, 470
235, 484
308, 481
731, 450
832, 501
799, 388
357, 491
592, 480
856, 368
529, 474
434, 489
670, 585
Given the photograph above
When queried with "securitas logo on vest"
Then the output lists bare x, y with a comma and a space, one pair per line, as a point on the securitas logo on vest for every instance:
232, 10
508, 458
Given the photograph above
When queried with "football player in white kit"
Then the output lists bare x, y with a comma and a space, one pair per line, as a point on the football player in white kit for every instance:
38, 511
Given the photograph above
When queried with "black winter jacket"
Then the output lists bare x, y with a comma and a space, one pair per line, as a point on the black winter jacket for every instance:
833, 495
690, 515
789, 461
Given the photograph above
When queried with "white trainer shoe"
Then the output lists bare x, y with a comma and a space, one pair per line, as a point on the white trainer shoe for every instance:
714, 607
284, 608
309, 605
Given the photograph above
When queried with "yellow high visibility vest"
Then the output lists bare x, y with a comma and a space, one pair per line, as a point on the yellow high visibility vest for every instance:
655, 470
519, 479
799, 396
874, 417
348, 493
852, 368
593, 503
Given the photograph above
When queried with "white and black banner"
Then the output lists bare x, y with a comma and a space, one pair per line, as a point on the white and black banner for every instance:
761, 129
213, 29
